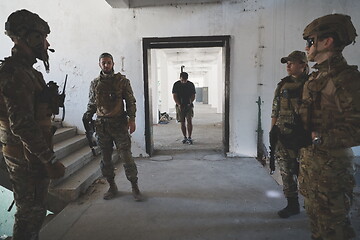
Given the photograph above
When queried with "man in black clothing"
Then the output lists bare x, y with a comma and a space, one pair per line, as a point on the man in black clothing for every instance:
184, 95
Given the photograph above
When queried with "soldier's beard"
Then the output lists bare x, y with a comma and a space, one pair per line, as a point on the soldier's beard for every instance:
108, 72
36, 42
44, 56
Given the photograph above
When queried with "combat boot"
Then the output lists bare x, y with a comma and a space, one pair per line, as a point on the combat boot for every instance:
113, 190
292, 208
136, 192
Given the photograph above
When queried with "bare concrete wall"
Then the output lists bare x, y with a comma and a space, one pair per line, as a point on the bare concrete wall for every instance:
261, 32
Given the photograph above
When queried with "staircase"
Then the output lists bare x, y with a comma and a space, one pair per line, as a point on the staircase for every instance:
82, 168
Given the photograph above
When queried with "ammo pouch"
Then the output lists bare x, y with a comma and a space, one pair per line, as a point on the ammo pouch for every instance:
290, 93
298, 138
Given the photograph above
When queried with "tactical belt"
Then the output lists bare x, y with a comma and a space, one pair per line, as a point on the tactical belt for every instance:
121, 117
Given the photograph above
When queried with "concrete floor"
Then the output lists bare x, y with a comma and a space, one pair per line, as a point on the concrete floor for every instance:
191, 193
207, 132
199, 195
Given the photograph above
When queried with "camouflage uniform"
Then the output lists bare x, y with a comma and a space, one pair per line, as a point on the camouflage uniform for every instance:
285, 104
106, 96
331, 111
25, 132
283, 135
331, 98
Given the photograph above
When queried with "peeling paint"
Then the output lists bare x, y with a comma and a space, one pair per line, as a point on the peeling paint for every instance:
67, 66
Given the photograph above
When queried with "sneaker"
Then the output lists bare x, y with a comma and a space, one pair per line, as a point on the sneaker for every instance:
184, 140
189, 141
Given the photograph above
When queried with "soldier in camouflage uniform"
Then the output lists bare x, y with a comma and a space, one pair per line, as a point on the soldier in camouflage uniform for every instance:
25, 122
284, 111
331, 113
106, 98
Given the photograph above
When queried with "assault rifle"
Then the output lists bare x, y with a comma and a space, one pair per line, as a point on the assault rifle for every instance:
273, 137
261, 149
90, 130
56, 99
62, 98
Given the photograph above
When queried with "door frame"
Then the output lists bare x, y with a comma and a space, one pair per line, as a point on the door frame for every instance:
186, 42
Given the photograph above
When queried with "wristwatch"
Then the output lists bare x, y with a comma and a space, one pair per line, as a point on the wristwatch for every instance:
317, 140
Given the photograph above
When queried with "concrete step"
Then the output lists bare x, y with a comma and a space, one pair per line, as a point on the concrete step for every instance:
68, 146
76, 184
75, 162
81, 167
62, 134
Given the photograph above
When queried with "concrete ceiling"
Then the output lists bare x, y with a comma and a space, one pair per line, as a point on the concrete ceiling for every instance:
152, 3
197, 61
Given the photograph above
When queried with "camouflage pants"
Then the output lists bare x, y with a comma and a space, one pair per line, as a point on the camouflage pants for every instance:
30, 190
327, 182
110, 131
287, 160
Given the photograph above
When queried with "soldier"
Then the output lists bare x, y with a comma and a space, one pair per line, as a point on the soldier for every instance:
331, 113
284, 119
184, 95
112, 125
25, 122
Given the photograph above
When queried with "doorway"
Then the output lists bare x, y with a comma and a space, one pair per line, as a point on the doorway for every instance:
155, 102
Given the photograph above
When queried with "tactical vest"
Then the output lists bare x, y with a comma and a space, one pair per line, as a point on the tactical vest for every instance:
109, 95
327, 105
289, 93
35, 85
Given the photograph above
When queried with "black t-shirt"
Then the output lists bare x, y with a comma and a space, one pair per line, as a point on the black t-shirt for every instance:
184, 91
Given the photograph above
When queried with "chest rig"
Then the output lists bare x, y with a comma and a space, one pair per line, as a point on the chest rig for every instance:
109, 95
321, 107
22, 81
289, 92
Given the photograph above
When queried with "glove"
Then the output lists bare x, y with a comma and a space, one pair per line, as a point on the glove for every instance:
55, 170
47, 156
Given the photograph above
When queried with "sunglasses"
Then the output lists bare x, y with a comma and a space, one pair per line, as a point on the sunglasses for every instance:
310, 42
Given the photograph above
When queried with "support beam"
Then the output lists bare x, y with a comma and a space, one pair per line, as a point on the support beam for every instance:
152, 3
118, 3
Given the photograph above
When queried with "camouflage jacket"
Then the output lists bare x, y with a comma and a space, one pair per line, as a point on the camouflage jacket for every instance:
331, 103
107, 94
23, 117
286, 101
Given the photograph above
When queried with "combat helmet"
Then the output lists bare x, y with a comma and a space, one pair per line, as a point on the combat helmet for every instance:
21, 22
338, 24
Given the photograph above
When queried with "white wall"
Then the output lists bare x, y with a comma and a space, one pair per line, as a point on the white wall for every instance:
261, 32
154, 87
